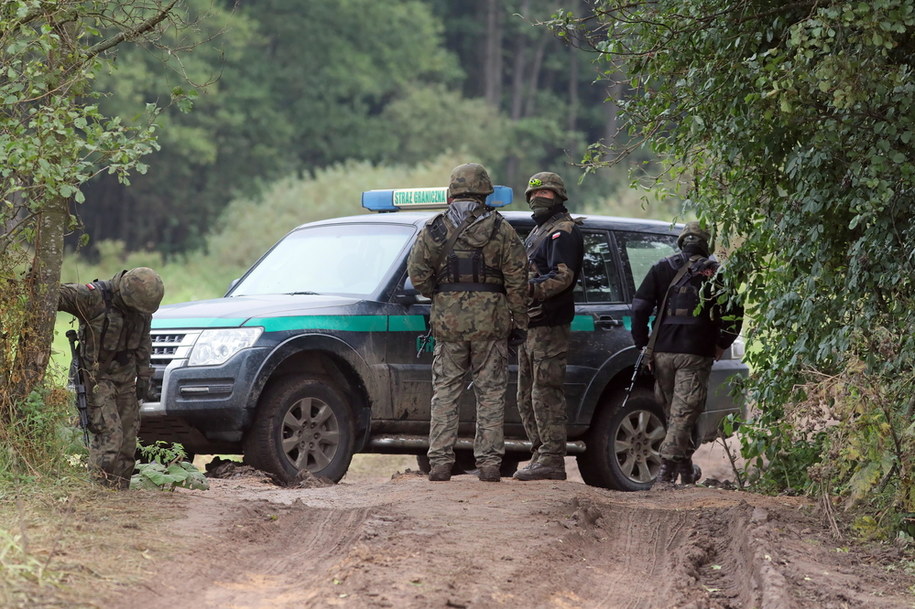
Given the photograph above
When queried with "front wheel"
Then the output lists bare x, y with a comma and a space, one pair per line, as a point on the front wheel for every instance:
301, 424
623, 445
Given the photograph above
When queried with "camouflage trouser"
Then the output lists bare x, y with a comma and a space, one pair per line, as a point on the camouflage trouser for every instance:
114, 419
541, 400
488, 362
681, 387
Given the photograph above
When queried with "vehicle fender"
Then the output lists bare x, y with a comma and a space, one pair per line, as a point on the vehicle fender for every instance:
356, 389
615, 372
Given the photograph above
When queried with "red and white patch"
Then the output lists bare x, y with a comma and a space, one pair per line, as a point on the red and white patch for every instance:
555, 236
90, 286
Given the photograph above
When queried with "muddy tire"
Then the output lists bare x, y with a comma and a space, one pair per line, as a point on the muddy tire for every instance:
623, 444
301, 424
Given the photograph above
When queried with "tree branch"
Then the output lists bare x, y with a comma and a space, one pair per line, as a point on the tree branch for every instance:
130, 34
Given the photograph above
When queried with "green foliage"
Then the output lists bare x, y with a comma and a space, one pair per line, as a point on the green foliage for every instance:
38, 437
791, 128
164, 466
53, 139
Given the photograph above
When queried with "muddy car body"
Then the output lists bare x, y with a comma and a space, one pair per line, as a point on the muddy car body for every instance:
319, 352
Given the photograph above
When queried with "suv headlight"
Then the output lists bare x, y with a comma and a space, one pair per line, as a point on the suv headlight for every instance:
738, 348
216, 346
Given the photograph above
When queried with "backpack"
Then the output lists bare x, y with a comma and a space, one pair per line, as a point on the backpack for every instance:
689, 297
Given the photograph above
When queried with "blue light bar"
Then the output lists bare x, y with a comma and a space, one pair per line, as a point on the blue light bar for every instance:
424, 198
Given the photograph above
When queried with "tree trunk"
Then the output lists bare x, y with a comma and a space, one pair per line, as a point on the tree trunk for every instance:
492, 61
40, 287
534, 81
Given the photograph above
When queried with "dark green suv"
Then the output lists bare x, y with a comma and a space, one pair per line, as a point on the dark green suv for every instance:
317, 353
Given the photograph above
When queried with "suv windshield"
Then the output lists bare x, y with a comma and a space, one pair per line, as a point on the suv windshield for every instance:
345, 259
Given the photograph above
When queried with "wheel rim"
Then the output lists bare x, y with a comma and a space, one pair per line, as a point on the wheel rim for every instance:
311, 434
637, 445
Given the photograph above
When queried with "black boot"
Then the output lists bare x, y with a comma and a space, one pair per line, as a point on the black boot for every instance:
689, 473
667, 473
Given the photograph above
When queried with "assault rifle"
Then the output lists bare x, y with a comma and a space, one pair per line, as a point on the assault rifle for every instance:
635, 374
76, 378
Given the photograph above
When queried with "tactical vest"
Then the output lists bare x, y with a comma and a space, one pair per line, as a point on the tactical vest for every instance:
689, 299
466, 269
119, 334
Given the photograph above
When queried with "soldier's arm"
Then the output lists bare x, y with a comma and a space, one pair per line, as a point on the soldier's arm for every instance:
514, 271
419, 265
731, 321
79, 300
645, 300
564, 259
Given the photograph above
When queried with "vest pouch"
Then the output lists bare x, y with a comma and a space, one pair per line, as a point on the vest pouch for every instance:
111, 330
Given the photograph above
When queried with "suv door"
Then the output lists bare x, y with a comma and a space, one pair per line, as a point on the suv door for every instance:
601, 324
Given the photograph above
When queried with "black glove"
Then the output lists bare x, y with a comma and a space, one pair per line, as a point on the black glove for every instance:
517, 337
142, 387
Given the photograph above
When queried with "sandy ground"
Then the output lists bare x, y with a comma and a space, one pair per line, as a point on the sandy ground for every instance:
401, 541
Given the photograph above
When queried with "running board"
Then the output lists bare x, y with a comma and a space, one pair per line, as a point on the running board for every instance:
397, 443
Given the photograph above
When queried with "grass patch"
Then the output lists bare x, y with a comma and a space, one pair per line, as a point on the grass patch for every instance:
69, 543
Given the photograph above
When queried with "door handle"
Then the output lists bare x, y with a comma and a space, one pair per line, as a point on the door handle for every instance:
607, 321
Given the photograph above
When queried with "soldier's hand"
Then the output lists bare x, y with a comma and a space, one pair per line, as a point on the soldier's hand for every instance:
517, 337
142, 387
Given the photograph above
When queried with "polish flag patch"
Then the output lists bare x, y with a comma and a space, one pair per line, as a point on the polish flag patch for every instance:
90, 286
555, 236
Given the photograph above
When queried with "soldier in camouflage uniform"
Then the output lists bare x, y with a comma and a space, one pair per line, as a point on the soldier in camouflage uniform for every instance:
697, 325
555, 249
114, 321
470, 262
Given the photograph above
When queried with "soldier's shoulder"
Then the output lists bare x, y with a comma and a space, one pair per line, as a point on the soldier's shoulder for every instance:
89, 295
436, 228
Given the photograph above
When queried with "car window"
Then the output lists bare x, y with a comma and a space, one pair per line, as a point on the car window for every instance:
344, 259
643, 250
600, 278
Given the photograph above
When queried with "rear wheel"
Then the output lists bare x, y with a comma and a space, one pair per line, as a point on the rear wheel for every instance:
301, 424
623, 445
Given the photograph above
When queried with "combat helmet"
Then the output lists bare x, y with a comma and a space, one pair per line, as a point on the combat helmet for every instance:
142, 289
549, 181
469, 179
693, 233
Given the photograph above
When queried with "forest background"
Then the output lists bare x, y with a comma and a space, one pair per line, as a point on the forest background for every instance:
299, 100
789, 124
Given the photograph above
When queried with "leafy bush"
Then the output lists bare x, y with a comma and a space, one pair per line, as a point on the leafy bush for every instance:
166, 468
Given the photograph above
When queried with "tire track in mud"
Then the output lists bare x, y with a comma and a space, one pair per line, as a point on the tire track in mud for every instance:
411, 544
258, 556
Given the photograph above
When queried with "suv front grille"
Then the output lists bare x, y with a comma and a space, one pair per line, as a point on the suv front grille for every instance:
168, 348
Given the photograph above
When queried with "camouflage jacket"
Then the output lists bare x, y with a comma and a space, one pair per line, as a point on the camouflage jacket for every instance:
114, 339
479, 289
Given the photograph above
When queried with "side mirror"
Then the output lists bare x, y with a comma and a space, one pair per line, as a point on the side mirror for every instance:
232, 284
408, 295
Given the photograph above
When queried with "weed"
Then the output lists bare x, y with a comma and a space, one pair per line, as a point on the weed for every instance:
164, 466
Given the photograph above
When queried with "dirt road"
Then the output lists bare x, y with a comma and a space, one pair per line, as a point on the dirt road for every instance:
408, 543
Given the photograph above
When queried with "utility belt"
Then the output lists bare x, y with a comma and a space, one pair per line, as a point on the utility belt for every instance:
467, 286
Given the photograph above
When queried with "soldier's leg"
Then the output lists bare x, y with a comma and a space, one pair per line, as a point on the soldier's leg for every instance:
450, 361
107, 434
524, 398
689, 395
548, 395
663, 367
489, 361
129, 414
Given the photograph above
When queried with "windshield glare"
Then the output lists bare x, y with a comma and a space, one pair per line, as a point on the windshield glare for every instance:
345, 259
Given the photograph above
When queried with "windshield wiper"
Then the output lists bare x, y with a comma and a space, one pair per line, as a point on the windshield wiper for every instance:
302, 293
